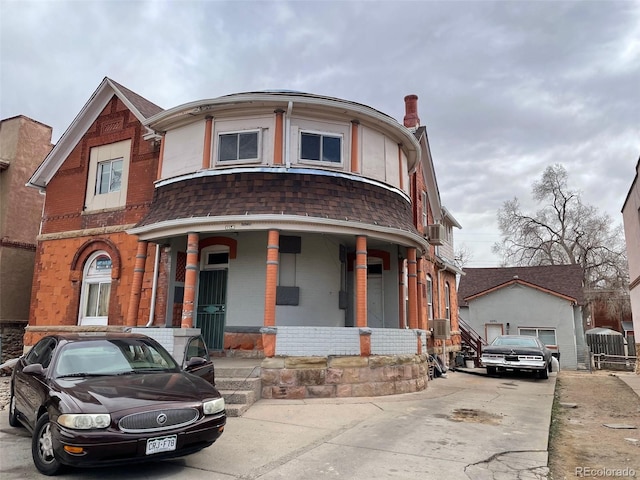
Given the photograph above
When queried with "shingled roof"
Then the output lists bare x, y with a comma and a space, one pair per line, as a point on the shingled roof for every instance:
563, 280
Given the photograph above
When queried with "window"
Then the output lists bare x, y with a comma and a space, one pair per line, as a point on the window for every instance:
425, 204
429, 298
241, 146
320, 147
109, 177
96, 290
546, 335
41, 352
447, 301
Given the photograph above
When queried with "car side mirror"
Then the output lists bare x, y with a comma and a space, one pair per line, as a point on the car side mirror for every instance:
33, 369
194, 362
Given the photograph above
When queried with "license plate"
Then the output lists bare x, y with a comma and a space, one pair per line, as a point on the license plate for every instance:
511, 359
161, 444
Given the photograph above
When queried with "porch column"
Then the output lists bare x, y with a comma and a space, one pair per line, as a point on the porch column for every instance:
413, 288
271, 285
136, 287
402, 320
190, 280
422, 317
361, 281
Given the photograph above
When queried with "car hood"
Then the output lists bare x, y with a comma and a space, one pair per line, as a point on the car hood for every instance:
112, 394
507, 349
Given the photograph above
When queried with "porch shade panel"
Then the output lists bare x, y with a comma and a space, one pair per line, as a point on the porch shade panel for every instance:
263, 193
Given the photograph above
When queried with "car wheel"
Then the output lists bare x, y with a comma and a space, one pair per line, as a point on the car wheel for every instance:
544, 373
42, 447
13, 413
492, 371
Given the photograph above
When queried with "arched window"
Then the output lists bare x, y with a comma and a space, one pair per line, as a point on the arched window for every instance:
447, 301
96, 290
429, 298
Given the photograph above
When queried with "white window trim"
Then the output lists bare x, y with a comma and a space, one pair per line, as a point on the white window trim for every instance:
320, 162
219, 134
204, 256
537, 329
100, 201
84, 295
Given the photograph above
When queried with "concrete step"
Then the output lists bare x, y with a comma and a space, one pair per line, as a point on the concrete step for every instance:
237, 372
238, 383
239, 396
236, 410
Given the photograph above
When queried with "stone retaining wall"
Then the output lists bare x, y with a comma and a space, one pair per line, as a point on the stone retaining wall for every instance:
350, 376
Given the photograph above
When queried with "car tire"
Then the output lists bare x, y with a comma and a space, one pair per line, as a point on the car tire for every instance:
13, 413
42, 448
493, 371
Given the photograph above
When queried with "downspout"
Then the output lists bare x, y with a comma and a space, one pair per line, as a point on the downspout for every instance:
444, 341
154, 288
287, 136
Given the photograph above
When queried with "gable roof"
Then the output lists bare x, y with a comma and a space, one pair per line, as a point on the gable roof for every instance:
139, 106
562, 280
429, 174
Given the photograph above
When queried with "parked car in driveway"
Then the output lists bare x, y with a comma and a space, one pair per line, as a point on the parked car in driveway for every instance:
104, 399
516, 352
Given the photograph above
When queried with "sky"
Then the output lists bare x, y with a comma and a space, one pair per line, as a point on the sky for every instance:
505, 88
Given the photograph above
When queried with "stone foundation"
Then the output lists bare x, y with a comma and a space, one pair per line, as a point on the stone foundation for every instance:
11, 336
352, 376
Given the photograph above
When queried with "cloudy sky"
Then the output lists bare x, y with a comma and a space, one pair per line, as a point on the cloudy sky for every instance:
505, 88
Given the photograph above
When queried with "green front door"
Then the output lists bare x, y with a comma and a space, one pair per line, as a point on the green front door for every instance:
212, 299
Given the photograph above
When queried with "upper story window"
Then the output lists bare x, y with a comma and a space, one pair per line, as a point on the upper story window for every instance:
447, 301
109, 177
238, 146
320, 147
429, 297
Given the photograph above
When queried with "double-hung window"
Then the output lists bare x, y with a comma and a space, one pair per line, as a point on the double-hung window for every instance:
545, 335
109, 176
320, 147
238, 146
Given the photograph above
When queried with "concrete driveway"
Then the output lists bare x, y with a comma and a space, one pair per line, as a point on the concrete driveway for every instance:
462, 427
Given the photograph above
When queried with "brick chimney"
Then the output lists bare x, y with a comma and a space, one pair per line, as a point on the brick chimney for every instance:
411, 119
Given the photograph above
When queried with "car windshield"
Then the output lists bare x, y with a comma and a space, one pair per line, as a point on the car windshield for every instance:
112, 357
516, 341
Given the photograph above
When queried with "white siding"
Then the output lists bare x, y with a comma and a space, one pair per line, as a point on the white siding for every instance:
183, 148
373, 154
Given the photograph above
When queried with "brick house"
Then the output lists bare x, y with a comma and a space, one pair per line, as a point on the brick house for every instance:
301, 229
23, 145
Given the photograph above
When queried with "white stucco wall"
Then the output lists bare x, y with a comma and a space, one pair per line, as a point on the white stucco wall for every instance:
524, 307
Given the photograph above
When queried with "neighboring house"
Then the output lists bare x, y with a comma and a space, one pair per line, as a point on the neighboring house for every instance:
23, 145
275, 222
543, 301
631, 219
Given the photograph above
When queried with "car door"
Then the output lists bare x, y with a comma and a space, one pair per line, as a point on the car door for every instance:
197, 361
30, 388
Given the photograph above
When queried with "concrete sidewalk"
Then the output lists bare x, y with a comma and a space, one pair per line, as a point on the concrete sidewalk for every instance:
462, 427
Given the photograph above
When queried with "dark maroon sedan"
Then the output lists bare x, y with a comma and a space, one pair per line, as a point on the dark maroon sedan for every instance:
106, 399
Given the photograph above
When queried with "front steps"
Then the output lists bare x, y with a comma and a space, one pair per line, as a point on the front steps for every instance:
238, 380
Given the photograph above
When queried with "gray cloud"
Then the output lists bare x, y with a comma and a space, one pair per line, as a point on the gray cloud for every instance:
506, 88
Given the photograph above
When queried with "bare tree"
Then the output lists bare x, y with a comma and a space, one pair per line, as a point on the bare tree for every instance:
563, 231
462, 256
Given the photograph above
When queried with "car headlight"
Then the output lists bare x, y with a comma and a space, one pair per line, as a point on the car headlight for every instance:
213, 406
85, 421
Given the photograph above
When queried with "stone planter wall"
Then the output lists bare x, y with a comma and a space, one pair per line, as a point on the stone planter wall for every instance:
348, 376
